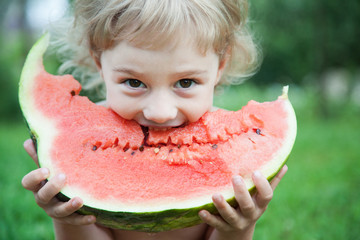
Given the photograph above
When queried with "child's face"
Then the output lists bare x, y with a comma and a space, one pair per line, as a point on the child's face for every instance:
160, 88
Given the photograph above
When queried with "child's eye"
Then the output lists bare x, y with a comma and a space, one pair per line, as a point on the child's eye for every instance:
185, 83
134, 83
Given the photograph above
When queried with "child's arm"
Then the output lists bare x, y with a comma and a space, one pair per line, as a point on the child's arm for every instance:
67, 224
240, 223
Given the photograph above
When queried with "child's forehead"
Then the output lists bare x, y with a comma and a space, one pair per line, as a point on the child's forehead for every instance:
184, 47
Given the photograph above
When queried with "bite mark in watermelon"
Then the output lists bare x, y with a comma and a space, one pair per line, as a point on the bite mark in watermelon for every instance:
134, 178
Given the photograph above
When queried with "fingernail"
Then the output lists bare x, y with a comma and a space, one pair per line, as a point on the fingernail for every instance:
75, 203
91, 219
61, 176
237, 180
202, 214
27, 142
257, 174
217, 197
45, 171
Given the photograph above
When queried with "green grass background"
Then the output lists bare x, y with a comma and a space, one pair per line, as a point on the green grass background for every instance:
319, 197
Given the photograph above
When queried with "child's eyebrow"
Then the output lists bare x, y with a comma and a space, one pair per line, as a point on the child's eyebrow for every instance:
179, 74
128, 71
189, 73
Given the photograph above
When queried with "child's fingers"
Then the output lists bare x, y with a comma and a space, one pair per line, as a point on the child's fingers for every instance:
275, 181
264, 190
228, 213
30, 149
64, 209
77, 219
243, 197
50, 189
33, 180
212, 220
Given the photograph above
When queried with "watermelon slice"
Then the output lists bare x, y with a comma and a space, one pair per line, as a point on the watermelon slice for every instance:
134, 178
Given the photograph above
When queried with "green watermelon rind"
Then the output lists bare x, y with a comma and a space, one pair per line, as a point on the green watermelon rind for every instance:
150, 221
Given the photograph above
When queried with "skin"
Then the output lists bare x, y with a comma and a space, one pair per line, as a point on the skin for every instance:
166, 87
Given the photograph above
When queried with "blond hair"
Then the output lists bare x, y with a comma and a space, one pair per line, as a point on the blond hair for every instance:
219, 24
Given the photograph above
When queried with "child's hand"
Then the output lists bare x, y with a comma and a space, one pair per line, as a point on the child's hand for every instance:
235, 223
45, 192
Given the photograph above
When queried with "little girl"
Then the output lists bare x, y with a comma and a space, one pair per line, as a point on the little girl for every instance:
160, 61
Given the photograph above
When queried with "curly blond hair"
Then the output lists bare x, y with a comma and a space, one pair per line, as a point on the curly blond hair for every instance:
99, 25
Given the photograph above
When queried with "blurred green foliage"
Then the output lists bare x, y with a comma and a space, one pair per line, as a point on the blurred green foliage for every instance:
306, 37
10, 63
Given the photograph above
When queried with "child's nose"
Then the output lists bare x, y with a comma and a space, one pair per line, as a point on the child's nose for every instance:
160, 112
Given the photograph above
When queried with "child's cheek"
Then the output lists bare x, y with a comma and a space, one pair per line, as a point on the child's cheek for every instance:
123, 108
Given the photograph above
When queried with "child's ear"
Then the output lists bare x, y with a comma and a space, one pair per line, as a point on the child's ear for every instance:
222, 65
97, 61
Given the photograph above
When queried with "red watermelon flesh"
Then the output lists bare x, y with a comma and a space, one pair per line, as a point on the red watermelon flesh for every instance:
117, 166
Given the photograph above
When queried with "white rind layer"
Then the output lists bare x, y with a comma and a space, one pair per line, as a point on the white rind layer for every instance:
40, 126
113, 205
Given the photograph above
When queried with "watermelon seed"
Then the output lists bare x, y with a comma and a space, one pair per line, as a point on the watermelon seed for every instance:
171, 150
94, 148
156, 150
116, 142
179, 146
72, 93
126, 147
132, 153
214, 146
258, 131
141, 148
